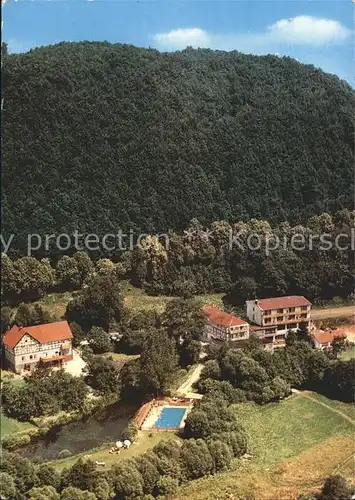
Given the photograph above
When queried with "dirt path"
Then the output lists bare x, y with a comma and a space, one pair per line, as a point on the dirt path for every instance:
334, 410
333, 312
186, 388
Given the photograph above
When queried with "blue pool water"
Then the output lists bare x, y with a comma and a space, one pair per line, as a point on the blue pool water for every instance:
170, 418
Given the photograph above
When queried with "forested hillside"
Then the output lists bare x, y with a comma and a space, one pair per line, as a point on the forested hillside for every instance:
99, 137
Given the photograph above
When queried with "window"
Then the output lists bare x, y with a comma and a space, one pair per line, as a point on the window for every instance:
31, 356
23, 358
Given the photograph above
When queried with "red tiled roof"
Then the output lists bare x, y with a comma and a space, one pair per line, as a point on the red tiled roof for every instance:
325, 337
49, 332
283, 302
222, 318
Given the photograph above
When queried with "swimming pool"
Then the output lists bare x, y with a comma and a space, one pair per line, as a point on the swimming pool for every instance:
170, 418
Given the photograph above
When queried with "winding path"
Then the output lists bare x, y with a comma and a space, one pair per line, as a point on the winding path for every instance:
334, 410
186, 388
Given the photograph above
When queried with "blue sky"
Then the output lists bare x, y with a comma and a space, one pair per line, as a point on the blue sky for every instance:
312, 31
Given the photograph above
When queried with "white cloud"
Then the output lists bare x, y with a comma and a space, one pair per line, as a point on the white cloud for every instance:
182, 38
308, 30
300, 30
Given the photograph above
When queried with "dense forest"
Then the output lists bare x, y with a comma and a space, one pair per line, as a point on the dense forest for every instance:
98, 137
204, 260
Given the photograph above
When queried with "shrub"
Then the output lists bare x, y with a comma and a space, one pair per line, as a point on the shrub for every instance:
130, 432
16, 440
167, 485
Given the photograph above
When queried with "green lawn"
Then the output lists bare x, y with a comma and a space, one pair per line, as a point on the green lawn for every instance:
135, 299
120, 356
293, 445
12, 426
346, 408
348, 354
284, 430
6, 376
145, 441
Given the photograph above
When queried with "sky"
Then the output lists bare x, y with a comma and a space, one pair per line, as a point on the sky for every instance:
311, 31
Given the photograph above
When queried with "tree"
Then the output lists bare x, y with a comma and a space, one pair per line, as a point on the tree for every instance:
158, 363
303, 334
130, 432
20, 469
133, 342
196, 459
4, 49
6, 315
71, 493
190, 352
78, 333
339, 381
48, 476
184, 319
335, 488
33, 277
81, 475
45, 393
167, 486
23, 315
291, 337
168, 448
9, 283
253, 344
67, 273
136, 329
100, 341
102, 489
84, 266
27, 315
105, 267
70, 391
167, 465
148, 471
99, 304
196, 424
236, 440
126, 480
43, 493
220, 453
103, 375
7, 486
211, 370
219, 162
211, 416
338, 345
245, 288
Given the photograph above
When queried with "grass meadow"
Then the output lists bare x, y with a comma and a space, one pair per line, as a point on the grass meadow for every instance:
293, 445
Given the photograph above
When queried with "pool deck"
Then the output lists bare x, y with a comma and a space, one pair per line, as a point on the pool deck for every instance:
151, 419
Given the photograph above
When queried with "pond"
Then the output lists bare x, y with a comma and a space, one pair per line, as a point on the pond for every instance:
102, 428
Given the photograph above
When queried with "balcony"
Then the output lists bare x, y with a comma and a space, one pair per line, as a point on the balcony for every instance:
63, 358
303, 315
286, 321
